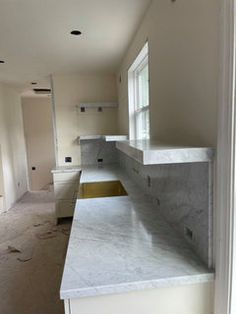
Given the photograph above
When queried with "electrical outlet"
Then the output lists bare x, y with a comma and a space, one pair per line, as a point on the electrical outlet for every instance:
68, 159
188, 233
100, 162
149, 181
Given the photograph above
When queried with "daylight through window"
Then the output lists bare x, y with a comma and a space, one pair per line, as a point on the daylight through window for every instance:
139, 96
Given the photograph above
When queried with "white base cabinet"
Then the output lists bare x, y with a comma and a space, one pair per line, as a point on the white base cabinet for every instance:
66, 186
1, 204
65, 208
189, 299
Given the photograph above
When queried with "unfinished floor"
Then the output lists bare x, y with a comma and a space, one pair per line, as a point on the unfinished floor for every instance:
30, 279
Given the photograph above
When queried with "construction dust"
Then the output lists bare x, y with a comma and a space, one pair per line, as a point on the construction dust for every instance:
32, 256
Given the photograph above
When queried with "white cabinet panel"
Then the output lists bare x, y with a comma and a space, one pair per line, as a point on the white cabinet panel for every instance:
66, 177
64, 191
190, 299
65, 208
66, 185
67, 306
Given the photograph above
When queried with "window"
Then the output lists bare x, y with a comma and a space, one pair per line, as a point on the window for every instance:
139, 96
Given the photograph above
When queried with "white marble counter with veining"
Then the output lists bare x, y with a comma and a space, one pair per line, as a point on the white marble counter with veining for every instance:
106, 138
121, 244
149, 152
63, 169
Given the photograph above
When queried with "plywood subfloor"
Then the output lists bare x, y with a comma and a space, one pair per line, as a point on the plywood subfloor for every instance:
30, 279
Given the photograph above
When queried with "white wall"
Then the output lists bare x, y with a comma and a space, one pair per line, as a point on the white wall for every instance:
37, 116
14, 169
1, 182
69, 91
183, 44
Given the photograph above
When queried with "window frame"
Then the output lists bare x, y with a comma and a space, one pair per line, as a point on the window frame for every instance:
141, 61
225, 190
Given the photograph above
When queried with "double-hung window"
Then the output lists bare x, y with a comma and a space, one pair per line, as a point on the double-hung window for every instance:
139, 96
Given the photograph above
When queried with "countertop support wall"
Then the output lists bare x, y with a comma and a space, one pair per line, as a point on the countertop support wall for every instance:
182, 193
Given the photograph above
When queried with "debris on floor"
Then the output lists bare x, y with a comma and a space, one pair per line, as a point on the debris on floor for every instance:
36, 270
26, 254
65, 231
23, 260
53, 229
38, 225
12, 249
46, 235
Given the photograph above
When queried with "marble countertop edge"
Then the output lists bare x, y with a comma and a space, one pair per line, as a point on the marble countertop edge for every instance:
136, 286
65, 169
151, 153
106, 138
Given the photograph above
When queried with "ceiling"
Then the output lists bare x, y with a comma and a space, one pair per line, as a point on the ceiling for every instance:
35, 39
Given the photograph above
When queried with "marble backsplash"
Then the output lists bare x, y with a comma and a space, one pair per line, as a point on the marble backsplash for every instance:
94, 150
182, 193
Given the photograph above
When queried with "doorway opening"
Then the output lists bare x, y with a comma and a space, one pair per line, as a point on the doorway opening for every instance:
39, 138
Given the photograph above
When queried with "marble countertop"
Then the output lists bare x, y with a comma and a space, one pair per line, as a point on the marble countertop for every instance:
149, 152
121, 244
106, 138
63, 169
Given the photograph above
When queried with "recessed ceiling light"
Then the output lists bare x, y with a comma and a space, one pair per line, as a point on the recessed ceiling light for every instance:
33, 83
2, 61
75, 32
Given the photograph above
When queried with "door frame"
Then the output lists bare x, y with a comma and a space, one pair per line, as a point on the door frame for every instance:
225, 291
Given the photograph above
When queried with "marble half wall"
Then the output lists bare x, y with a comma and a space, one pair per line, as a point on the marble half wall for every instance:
183, 195
94, 150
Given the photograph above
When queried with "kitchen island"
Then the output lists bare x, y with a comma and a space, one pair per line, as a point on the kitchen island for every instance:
123, 255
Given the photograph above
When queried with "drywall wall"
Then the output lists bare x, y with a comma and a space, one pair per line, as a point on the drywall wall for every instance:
183, 56
14, 168
1, 183
38, 128
69, 90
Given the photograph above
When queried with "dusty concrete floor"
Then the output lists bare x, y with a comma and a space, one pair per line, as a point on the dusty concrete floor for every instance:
30, 279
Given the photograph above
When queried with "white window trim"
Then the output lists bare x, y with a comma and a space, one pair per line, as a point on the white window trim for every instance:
136, 111
140, 60
225, 285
